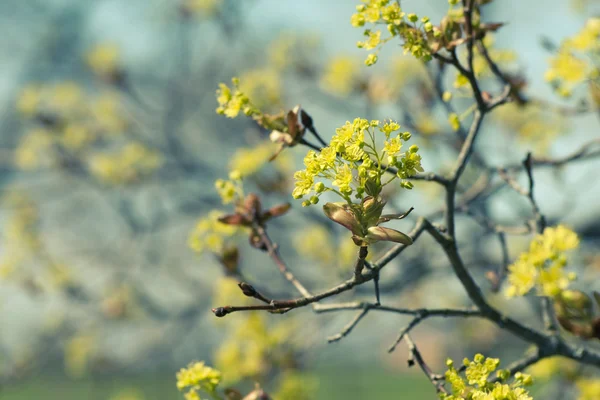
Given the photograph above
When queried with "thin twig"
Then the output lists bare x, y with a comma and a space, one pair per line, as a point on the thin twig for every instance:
348, 328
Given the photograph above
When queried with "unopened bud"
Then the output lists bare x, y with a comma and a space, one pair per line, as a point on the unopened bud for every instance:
220, 312
247, 289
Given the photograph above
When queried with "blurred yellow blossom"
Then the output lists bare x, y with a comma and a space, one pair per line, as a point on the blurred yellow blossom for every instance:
29, 100
210, 234
78, 352
314, 242
103, 59
254, 347
249, 160
204, 8
128, 394
341, 75
263, 86
296, 386
532, 123
589, 388
76, 136
552, 367
126, 165
576, 59
106, 113
65, 97
35, 149
543, 265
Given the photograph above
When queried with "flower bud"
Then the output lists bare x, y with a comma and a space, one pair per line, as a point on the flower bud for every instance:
314, 200
319, 187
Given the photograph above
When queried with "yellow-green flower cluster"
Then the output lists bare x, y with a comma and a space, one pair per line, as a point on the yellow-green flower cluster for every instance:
230, 191
198, 376
475, 385
232, 100
385, 12
543, 266
210, 234
577, 59
353, 163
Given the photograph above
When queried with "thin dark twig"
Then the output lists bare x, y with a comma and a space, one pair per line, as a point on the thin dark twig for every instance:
404, 331
348, 328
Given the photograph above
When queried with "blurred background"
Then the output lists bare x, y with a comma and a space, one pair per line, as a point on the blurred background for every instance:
110, 146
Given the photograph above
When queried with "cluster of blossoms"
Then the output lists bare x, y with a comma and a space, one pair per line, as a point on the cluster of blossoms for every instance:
232, 101
196, 377
352, 165
398, 23
577, 60
476, 385
353, 149
544, 264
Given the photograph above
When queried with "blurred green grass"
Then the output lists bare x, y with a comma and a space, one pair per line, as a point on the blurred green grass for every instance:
333, 384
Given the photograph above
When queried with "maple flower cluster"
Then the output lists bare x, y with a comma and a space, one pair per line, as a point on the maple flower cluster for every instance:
409, 27
543, 266
196, 377
353, 165
476, 385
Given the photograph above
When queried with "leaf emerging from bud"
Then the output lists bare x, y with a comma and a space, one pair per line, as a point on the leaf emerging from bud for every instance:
380, 233
339, 213
275, 211
234, 219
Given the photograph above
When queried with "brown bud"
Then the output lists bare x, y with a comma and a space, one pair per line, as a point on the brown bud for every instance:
229, 259
252, 205
220, 311
256, 241
247, 289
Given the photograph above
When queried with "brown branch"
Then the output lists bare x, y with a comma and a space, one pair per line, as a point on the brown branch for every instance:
274, 253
